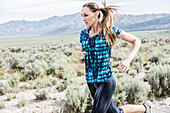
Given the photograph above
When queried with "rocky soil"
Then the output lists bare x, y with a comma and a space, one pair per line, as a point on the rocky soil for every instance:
56, 102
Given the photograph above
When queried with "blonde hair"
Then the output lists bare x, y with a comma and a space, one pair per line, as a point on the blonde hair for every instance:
107, 18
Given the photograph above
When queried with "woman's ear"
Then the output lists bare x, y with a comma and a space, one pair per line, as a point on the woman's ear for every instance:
96, 14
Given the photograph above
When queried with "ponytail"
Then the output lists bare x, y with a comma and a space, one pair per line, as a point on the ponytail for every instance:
107, 18
108, 32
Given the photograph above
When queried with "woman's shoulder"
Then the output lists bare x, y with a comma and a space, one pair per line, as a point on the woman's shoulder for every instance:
85, 30
116, 29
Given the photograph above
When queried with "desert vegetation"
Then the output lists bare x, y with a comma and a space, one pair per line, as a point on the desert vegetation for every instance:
51, 68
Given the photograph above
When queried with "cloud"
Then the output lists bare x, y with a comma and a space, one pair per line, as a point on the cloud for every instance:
41, 9
125, 3
32, 6
37, 9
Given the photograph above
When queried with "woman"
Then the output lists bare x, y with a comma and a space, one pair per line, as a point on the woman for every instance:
96, 42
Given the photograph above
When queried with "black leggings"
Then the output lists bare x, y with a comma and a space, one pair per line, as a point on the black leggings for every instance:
102, 94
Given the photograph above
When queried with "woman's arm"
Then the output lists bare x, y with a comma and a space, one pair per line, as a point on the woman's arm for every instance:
81, 55
136, 43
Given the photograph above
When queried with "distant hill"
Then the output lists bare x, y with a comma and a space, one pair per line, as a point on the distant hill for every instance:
72, 24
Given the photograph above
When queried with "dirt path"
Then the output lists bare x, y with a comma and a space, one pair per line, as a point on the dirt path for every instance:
56, 101
33, 105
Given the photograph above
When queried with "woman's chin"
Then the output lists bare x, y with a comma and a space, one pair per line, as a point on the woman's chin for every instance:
88, 25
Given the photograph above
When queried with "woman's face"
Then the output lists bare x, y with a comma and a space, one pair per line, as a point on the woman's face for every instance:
89, 17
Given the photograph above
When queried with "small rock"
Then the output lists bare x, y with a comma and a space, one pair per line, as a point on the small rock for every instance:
163, 102
168, 101
38, 106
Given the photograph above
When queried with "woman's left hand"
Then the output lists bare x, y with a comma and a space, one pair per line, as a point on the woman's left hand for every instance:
124, 65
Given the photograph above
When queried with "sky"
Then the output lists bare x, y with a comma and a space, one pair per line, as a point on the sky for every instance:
34, 10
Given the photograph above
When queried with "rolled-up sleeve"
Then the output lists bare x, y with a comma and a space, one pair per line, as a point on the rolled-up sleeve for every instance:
117, 30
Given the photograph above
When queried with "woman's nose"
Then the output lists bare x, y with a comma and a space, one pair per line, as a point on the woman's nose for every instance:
83, 19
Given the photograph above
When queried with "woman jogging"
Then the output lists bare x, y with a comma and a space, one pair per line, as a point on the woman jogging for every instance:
96, 42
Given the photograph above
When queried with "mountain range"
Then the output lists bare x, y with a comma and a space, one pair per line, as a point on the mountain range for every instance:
72, 24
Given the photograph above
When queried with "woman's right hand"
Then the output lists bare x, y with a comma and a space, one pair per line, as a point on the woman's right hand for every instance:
81, 55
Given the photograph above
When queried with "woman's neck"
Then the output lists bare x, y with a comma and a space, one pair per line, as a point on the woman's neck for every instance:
95, 27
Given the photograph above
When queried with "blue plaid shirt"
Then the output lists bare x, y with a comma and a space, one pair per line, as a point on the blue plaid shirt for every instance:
97, 58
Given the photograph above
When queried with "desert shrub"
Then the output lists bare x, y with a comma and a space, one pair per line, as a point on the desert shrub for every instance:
131, 90
167, 40
2, 105
70, 75
1, 60
80, 71
42, 82
118, 74
78, 99
9, 96
22, 78
15, 49
33, 70
53, 80
144, 40
162, 43
1, 73
21, 102
159, 78
14, 80
18, 61
4, 88
39, 56
115, 64
61, 86
118, 56
124, 44
41, 94
147, 66
56, 69
137, 62
154, 59
132, 72
53, 48
68, 52
146, 48
53, 57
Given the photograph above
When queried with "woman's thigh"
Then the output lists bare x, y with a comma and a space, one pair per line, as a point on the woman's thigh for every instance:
102, 94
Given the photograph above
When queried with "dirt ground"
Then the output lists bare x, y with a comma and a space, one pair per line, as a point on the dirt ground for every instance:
56, 101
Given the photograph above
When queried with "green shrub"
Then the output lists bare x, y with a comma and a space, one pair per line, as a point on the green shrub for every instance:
33, 70
154, 59
68, 52
14, 81
15, 49
80, 71
21, 102
41, 94
2, 105
56, 70
70, 75
159, 78
42, 82
130, 90
132, 72
53, 80
10, 96
144, 40
78, 99
4, 88
147, 66
17, 61
23, 78
61, 86
117, 56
